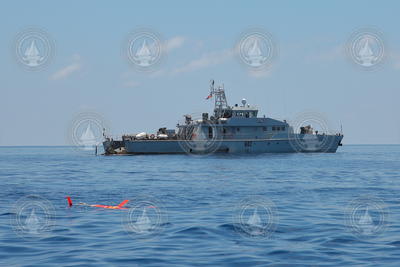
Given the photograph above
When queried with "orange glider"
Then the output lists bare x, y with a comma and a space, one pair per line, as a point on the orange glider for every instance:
118, 207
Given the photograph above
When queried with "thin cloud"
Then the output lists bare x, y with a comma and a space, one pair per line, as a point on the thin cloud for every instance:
68, 70
206, 60
260, 73
174, 43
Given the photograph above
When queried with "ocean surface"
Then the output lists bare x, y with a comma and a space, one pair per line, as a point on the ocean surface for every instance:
337, 209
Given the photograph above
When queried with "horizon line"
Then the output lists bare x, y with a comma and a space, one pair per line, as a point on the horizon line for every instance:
353, 144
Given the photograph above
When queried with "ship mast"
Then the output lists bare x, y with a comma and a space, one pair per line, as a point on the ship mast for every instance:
220, 99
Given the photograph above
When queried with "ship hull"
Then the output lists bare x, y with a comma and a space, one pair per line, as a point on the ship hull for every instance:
329, 145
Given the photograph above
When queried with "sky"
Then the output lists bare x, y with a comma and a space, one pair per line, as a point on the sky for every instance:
90, 71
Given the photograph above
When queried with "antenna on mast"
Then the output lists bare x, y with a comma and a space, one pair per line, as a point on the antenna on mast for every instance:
212, 82
221, 103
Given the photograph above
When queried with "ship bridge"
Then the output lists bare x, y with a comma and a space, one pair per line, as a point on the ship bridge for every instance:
245, 111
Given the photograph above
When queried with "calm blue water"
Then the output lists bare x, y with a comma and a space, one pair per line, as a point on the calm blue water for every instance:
201, 204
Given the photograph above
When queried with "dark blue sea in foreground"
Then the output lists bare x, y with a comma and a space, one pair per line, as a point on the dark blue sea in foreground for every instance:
219, 210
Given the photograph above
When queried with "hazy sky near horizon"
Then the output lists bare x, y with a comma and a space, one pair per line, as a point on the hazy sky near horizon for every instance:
89, 70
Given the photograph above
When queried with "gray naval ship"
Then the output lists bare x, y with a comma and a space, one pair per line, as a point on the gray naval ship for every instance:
230, 129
